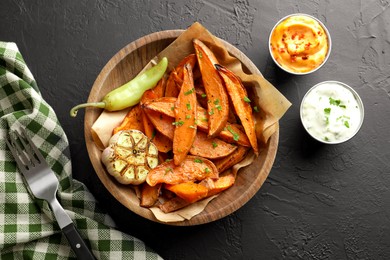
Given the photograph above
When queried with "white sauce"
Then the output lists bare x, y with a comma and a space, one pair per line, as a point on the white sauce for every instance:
331, 113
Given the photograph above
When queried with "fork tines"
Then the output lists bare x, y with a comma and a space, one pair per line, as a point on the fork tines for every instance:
25, 154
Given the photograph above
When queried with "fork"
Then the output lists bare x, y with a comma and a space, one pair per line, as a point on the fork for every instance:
43, 184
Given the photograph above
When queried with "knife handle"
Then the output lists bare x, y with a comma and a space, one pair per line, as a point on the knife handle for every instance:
77, 243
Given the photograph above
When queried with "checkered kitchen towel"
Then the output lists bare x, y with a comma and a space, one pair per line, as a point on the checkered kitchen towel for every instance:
28, 229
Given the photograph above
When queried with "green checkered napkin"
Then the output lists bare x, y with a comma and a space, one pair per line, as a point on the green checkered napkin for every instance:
28, 229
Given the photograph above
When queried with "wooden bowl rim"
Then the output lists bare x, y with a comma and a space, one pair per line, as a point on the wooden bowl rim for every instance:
109, 183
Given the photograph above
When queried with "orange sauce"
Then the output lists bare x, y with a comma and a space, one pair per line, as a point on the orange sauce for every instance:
299, 44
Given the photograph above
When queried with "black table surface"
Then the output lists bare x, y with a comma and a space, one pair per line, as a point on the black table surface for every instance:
319, 201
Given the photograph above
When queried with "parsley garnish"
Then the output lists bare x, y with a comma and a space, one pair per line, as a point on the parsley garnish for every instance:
247, 100
197, 160
189, 91
236, 136
178, 123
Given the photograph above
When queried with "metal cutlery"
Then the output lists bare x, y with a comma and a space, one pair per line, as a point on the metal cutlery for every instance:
43, 184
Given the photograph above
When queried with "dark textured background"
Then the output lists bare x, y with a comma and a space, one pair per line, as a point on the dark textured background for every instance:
319, 202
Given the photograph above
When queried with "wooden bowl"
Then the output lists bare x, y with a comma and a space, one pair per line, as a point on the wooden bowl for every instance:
120, 69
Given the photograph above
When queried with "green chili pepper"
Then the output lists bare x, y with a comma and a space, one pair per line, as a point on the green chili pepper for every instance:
130, 93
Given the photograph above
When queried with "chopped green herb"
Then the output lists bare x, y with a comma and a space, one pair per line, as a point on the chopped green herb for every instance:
189, 91
327, 110
178, 123
256, 109
188, 105
192, 126
216, 102
168, 169
204, 119
211, 112
207, 170
247, 100
326, 138
168, 160
214, 144
346, 123
197, 160
335, 102
236, 136
218, 107
343, 106
172, 108
204, 95
200, 55
188, 116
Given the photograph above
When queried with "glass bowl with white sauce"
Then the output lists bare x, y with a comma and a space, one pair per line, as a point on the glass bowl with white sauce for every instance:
332, 112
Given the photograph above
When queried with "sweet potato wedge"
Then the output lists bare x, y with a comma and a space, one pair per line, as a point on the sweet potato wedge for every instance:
188, 191
217, 98
162, 122
179, 75
171, 88
240, 101
132, 120
193, 168
149, 194
164, 105
185, 117
163, 143
211, 148
222, 183
225, 163
173, 204
159, 89
175, 78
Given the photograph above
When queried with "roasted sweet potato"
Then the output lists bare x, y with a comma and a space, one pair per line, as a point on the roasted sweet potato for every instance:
188, 191
222, 183
149, 194
217, 98
164, 105
162, 122
225, 163
193, 168
185, 117
211, 148
159, 89
133, 120
173, 204
175, 79
240, 101
163, 143
231, 133
179, 75
171, 88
